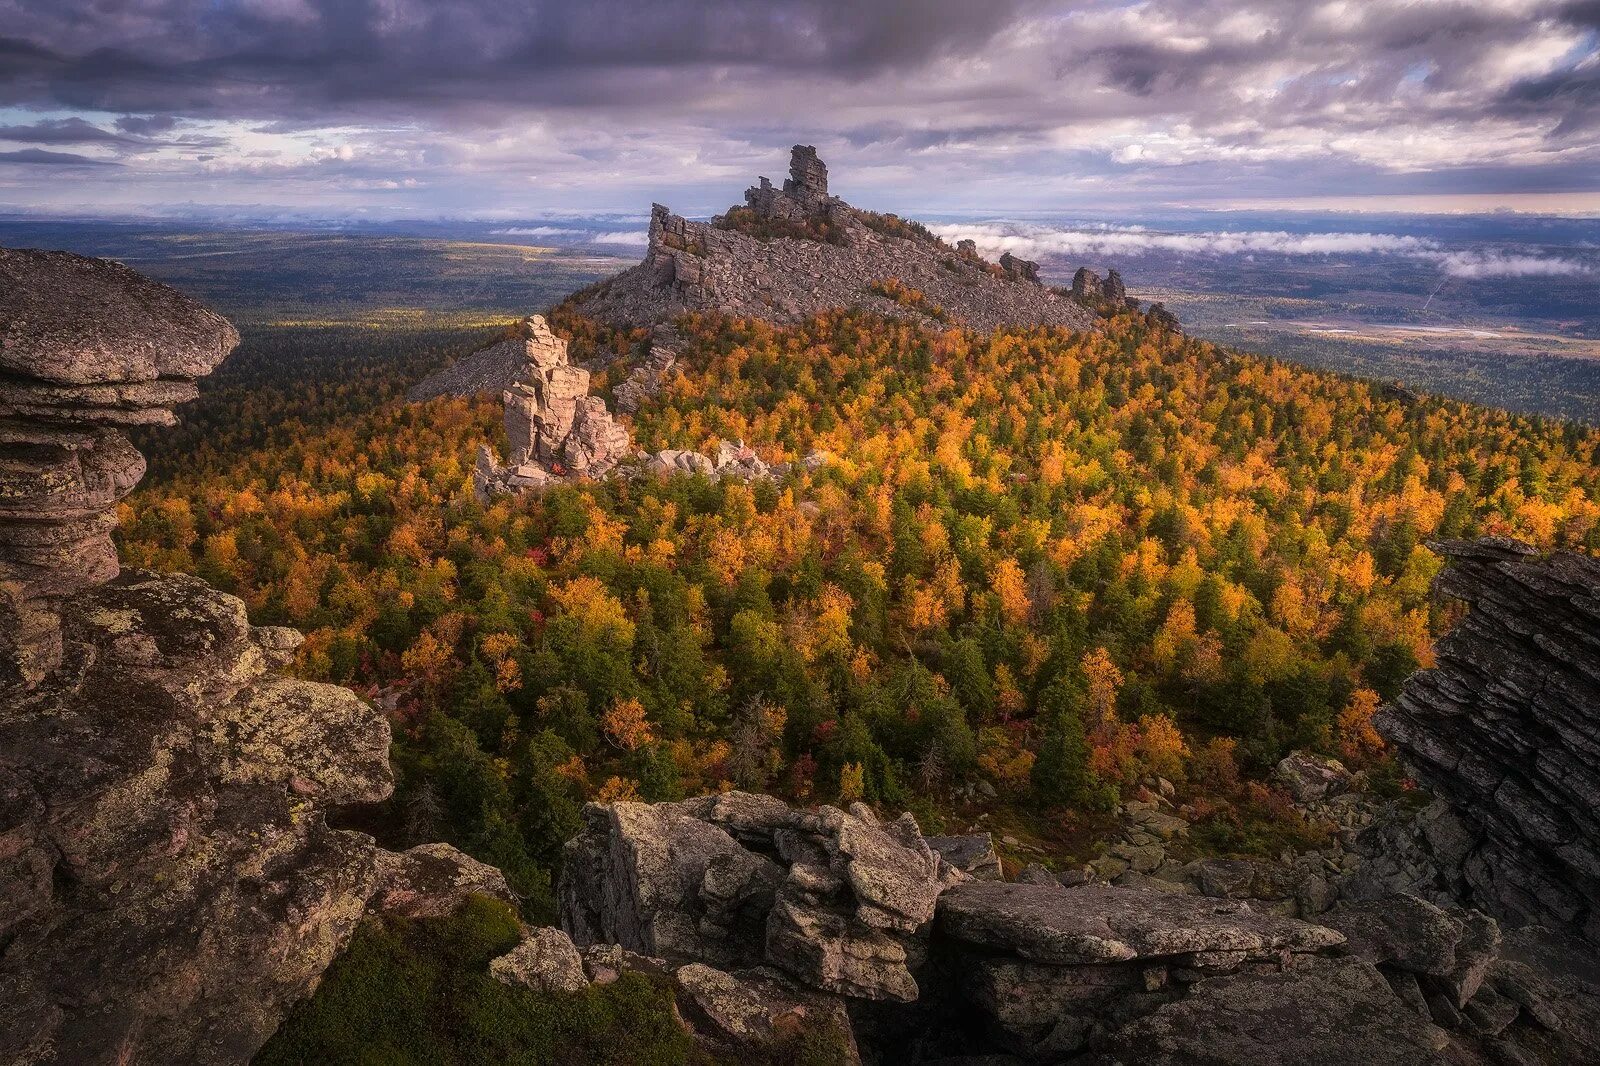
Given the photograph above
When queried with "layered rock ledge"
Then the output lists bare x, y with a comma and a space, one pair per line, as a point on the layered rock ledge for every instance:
1506, 730
169, 883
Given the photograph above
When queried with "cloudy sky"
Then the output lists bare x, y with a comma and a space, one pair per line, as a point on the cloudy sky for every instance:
516, 108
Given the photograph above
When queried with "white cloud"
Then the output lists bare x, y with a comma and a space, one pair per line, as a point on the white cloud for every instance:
1501, 265
1101, 242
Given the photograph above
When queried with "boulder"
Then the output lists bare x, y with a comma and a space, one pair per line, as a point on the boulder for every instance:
545, 961
972, 854
1327, 1013
432, 880
760, 1012
1099, 924
1309, 778
840, 900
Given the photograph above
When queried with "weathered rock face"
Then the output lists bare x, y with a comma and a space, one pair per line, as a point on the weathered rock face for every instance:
168, 880
1506, 729
646, 380
839, 900
1050, 967
87, 348
558, 432
695, 266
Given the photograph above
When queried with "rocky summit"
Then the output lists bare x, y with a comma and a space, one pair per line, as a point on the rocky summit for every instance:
1506, 730
169, 883
793, 251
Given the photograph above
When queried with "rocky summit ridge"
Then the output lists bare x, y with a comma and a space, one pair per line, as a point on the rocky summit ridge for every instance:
791, 252
169, 882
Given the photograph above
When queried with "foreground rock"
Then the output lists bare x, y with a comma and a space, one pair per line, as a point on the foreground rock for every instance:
168, 880
88, 348
1506, 730
789, 253
1327, 1014
839, 900
758, 911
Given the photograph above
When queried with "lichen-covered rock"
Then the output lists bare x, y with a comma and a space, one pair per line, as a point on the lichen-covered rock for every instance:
1309, 778
973, 854
87, 348
545, 961
432, 880
759, 1011
193, 892
843, 908
1506, 729
1329, 1013
73, 320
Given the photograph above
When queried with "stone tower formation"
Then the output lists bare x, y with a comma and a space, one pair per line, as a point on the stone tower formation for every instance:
554, 427
88, 349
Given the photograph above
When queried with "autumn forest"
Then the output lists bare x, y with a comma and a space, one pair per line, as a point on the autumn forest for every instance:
1041, 571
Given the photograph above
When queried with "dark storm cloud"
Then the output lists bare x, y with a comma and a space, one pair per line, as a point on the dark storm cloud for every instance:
41, 157
277, 58
60, 131
480, 100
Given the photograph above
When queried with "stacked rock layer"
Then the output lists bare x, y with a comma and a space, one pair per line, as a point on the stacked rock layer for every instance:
168, 880
553, 426
87, 349
1506, 729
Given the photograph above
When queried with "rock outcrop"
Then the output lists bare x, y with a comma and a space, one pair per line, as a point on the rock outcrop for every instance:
759, 912
168, 880
789, 253
1506, 730
87, 349
554, 428
558, 432
837, 899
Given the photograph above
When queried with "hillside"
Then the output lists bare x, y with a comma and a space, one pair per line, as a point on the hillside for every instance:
1049, 570
1015, 519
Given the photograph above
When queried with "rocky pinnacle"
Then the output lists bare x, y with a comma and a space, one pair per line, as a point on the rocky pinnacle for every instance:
87, 349
169, 883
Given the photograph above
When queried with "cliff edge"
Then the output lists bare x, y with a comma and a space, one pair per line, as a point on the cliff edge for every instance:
1506, 729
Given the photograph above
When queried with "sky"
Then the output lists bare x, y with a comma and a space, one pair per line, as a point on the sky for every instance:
515, 109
